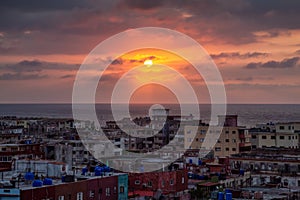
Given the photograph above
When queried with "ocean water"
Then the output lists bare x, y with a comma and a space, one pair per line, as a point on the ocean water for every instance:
248, 114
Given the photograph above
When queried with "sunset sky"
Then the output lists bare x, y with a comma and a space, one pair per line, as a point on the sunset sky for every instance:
254, 43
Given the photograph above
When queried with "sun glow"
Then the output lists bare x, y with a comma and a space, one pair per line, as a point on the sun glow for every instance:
148, 63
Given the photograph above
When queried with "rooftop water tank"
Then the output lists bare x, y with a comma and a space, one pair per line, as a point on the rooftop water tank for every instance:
221, 196
228, 196
29, 176
98, 171
37, 183
48, 181
84, 171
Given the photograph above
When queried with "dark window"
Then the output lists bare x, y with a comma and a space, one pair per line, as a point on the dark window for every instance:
281, 137
281, 127
218, 149
233, 132
171, 182
273, 137
227, 140
233, 149
253, 136
122, 189
264, 137
227, 149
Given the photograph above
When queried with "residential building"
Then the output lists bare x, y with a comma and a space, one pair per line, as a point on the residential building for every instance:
232, 138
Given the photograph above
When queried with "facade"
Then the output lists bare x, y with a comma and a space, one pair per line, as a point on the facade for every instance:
284, 135
268, 164
232, 138
11, 152
110, 187
167, 183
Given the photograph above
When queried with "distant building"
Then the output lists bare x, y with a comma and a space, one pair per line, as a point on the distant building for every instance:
284, 135
233, 139
11, 152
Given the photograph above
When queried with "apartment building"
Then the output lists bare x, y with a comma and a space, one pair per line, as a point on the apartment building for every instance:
284, 135
231, 139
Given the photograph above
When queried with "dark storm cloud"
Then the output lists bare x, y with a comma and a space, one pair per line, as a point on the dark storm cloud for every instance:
76, 26
144, 5
286, 63
118, 61
37, 5
239, 55
37, 66
67, 76
21, 76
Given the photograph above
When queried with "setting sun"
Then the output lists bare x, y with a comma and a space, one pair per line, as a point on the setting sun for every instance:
148, 62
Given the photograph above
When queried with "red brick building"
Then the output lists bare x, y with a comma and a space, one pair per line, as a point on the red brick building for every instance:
104, 188
171, 183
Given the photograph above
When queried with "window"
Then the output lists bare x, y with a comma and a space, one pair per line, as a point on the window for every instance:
281, 137
264, 137
281, 127
107, 192
289, 137
171, 182
61, 197
92, 193
163, 183
233, 149
253, 136
227, 140
80, 196
202, 131
227, 149
137, 182
218, 149
233, 132
122, 190
273, 137
197, 139
234, 140
201, 139
115, 190
149, 183
182, 180
226, 132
